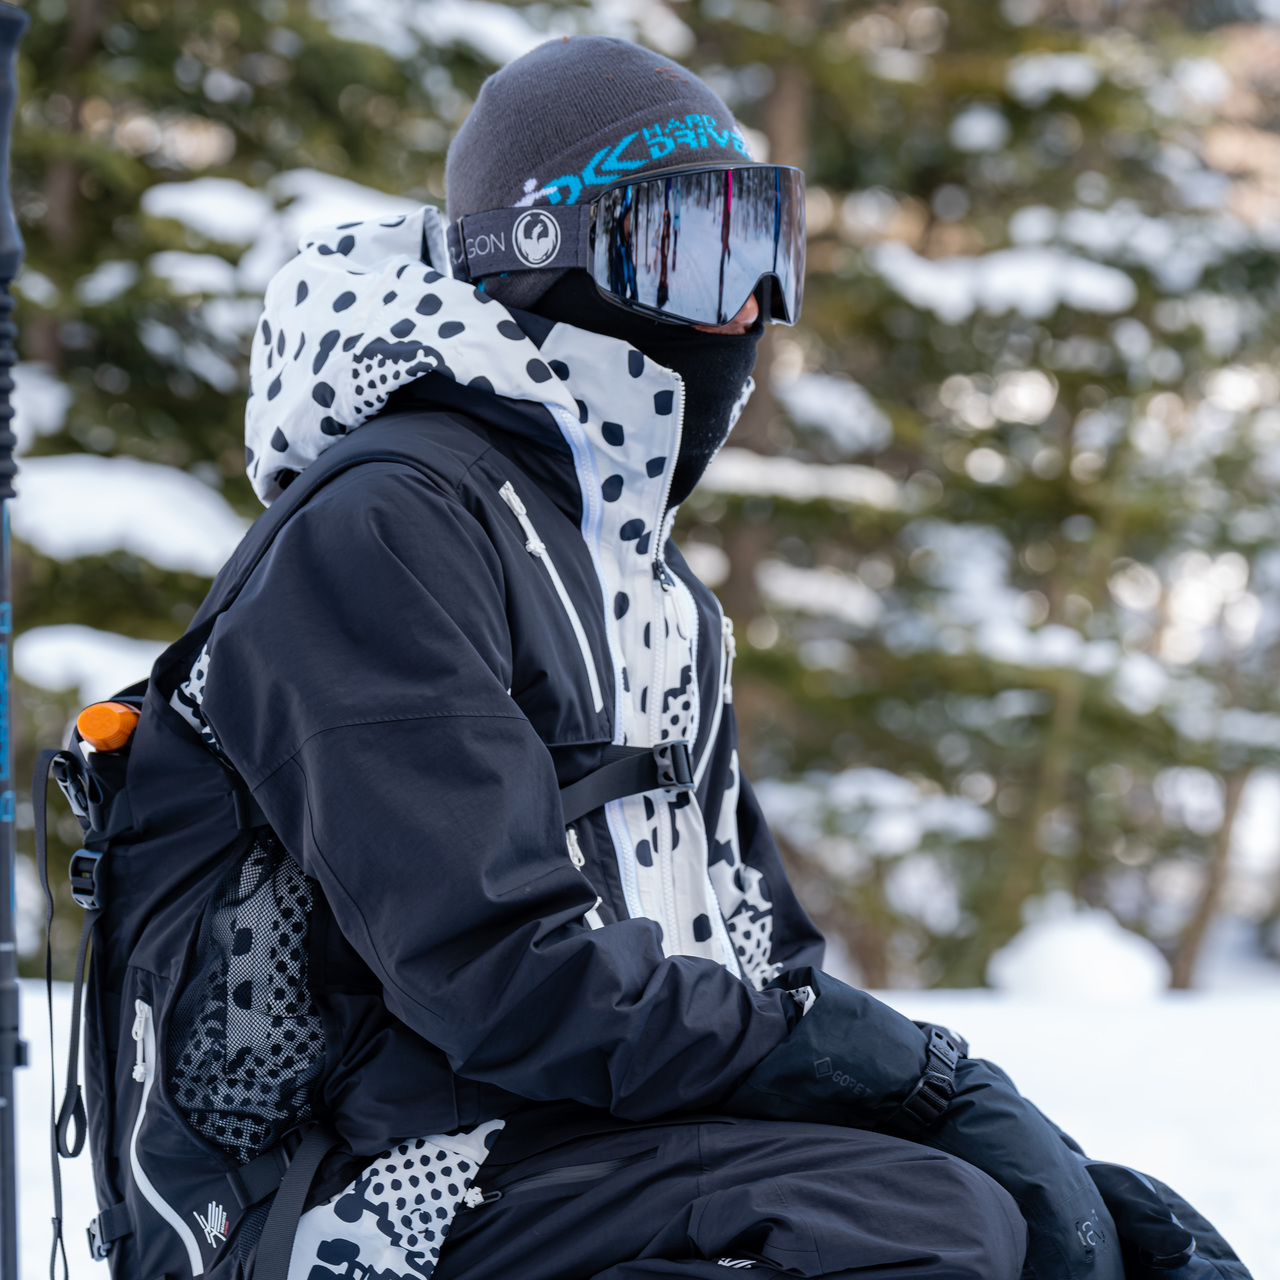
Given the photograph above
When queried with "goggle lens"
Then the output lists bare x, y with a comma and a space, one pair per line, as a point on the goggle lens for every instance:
694, 246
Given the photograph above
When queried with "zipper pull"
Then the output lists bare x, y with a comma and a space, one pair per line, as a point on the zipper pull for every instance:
473, 1198
730, 652
142, 1016
663, 575
576, 856
509, 495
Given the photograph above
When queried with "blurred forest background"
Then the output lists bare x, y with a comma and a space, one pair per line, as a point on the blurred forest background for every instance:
999, 532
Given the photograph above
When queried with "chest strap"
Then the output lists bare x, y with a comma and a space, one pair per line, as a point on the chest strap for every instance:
628, 771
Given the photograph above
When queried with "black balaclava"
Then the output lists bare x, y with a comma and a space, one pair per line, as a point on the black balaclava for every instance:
714, 366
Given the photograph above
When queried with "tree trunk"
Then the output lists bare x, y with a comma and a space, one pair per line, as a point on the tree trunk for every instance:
1192, 939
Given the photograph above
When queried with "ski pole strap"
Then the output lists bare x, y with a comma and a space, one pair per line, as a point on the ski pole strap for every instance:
628, 771
275, 1245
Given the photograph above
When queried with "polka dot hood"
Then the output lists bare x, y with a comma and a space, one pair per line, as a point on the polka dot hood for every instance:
359, 313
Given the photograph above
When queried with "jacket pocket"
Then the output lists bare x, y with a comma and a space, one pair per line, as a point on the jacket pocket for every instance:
144, 1073
538, 549
569, 1177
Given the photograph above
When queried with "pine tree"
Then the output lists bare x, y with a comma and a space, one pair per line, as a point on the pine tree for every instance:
1054, 642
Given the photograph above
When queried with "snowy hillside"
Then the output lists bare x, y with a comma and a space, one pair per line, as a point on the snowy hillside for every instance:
1171, 1084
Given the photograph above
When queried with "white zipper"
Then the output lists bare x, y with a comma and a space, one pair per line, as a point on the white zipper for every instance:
144, 1033
538, 549
728, 651
579, 860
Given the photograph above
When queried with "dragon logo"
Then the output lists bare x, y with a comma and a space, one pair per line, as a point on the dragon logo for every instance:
535, 238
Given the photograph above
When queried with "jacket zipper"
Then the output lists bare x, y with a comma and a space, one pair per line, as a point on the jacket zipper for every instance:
568, 1176
538, 549
144, 1070
728, 651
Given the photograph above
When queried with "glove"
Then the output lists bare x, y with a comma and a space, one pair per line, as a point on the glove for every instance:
1161, 1236
852, 1060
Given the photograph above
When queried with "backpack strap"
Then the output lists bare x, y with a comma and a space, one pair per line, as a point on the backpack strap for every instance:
627, 771
275, 1245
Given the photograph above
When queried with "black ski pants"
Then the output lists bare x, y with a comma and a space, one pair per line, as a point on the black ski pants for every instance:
701, 1199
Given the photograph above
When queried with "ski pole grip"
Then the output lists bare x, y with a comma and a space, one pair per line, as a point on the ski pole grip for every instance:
13, 23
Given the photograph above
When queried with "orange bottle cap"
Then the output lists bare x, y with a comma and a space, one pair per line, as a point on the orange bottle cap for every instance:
107, 726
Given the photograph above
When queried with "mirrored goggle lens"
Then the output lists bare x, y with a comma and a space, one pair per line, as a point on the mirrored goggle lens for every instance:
694, 246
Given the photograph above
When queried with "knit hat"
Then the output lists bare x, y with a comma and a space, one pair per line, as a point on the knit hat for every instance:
570, 117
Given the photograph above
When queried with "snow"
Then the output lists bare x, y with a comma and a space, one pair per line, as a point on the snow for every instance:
1154, 1083
739, 471
1086, 955
193, 272
96, 663
107, 281
825, 592
837, 406
219, 208
496, 32
980, 127
1034, 78
1033, 281
310, 199
40, 402
77, 504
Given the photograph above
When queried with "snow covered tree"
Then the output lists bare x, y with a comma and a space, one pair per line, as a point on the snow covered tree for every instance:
1035, 657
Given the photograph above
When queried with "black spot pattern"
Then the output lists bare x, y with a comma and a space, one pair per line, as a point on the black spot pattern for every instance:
635, 363
429, 304
327, 344
613, 434
451, 328
538, 371
279, 442
509, 329
343, 300
654, 467
611, 489
560, 369
663, 402
621, 603
244, 1051
402, 328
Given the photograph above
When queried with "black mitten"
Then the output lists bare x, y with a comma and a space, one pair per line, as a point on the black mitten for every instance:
852, 1060
1161, 1236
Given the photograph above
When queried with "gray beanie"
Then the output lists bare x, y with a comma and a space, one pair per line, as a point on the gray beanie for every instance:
576, 114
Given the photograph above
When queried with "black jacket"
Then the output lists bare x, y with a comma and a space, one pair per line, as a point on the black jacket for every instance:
402, 688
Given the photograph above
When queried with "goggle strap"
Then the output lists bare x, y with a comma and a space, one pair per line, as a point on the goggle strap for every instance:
500, 240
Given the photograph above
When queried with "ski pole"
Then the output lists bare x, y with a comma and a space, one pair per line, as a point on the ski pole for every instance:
13, 1052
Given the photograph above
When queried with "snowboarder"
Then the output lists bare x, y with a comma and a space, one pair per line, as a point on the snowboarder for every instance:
556, 996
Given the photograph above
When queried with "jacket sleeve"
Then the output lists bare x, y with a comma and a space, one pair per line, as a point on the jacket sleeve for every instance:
360, 686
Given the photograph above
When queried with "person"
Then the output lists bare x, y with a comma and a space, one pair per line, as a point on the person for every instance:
557, 997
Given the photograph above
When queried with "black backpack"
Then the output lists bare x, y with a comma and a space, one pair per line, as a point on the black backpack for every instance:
176, 850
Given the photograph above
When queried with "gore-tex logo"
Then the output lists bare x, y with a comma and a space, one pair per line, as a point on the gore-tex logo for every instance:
823, 1068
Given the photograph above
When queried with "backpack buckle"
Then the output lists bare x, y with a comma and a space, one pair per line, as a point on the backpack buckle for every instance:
675, 765
83, 873
98, 1247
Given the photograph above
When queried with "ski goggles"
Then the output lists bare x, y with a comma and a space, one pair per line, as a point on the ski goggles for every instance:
689, 245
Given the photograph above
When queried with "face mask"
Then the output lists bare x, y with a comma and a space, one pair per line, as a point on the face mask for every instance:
714, 367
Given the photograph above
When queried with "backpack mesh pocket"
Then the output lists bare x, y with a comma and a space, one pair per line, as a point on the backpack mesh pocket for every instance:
245, 1041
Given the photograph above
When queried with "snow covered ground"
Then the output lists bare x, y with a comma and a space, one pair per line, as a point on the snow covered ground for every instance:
1177, 1084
